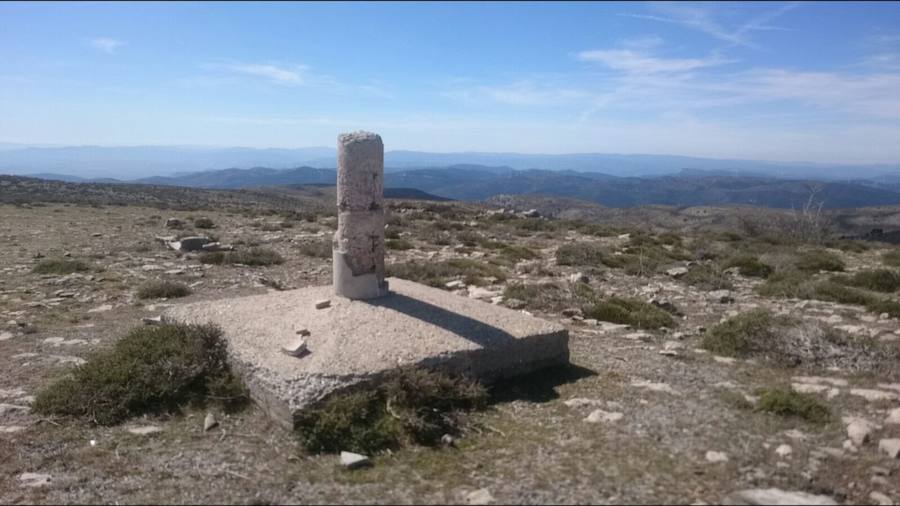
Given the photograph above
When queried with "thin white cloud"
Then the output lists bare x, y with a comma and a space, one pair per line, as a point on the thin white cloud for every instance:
524, 93
292, 76
632, 61
106, 45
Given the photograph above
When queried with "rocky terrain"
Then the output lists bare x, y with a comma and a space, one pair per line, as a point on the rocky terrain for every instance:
646, 413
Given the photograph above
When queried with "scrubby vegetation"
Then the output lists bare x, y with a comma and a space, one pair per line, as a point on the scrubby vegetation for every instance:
398, 244
783, 401
586, 254
819, 260
707, 277
254, 257
437, 274
878, 280
409, 406
630, 312
59, 266
204, 223
154, 369
891, 258
320, 248
163, 289
750, 266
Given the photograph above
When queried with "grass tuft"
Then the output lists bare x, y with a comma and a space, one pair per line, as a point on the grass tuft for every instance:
785, 402
630, 312
254, 257
819, 260
750, 266
163, 290
59, 266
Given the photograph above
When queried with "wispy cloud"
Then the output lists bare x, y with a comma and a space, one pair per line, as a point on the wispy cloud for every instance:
291, 76
638, 62
525, 93
106, 45
703, 19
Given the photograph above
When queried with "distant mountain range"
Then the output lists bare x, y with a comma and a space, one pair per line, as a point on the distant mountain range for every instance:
473, 182
135, 162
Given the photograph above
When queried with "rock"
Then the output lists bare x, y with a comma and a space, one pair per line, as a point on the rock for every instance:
174, 223
216, 246
353, 460
9, 429
454, 284
322, 304
577, 402
598, 416
880, 471
721, 296
859, 431
34, 480
677, 272
572, 311
144, 430
776, 497
532, 213
101, 309
512, 303
784, 451
152, 320
476, 292
891, 447
893, 417
447, 440
480, 496
655, 387
873, 395
4, 335
578, 277
209, 422
716, 457
297, 348
880, 499
192, 243
12, 408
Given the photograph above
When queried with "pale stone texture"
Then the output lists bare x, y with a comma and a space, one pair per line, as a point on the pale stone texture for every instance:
355, 341
358, 252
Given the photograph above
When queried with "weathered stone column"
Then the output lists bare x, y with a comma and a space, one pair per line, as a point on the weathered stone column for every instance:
358, 248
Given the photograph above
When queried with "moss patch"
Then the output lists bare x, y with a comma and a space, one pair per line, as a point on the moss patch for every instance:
151, 370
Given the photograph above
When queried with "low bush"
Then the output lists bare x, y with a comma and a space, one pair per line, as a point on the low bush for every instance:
630, 312
59, 266
750, 266
819, 260
204, 223
437, 274
878, 280
786, 402
163, 290
398, 244
586, 254
707, 277
317, 248
155, 369
408, 406
891, 258
254, 257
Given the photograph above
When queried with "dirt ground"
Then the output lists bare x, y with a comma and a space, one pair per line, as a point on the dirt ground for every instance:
530, 446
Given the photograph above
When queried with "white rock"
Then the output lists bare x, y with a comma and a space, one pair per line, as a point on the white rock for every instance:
716, 457
577, 402
480, 496
9, 429
890, 386
893, 417
808, 388
144, 430
33, 480
891, 447
655, 387
454, 284
4, 335
776, 497
859, 431
9, 408
210, 421
838, 382
353, 460
600, 416
322, 304
784, 451
101, 309
880, 499
874, 395
296, 348
578, 277
677, 272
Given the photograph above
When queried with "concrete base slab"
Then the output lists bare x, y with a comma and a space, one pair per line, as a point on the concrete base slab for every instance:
355, 341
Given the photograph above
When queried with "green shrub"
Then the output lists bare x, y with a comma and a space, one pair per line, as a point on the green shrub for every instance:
786, 402
318, 248
163, 289
586, 254
750, 266
707, 277
204, 223
155, 369
819, 260
59, 266
878, 280
254, 257
409, 405
891, 258
398, 244
741, 335
437, 274
630, 312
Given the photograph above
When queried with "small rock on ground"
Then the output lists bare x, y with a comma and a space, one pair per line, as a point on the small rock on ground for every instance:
33, 480
480, 496
776, 496
353, 460
891, 447
210, 421
880, 499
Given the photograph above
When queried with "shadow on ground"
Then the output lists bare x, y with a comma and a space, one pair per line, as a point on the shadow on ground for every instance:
539, 386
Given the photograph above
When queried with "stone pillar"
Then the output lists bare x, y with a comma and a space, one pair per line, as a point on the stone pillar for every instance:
358, 247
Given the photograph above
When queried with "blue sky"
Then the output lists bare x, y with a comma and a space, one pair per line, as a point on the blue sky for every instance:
778, 81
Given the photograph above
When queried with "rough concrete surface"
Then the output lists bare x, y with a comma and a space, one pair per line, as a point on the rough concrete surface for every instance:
353, 341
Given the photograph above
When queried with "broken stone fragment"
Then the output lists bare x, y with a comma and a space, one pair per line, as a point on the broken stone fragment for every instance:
891, 447
174, 223
776, 496
296, 348
209, 422
216, 246
152, 320
192, 243
322, 304
353, 460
